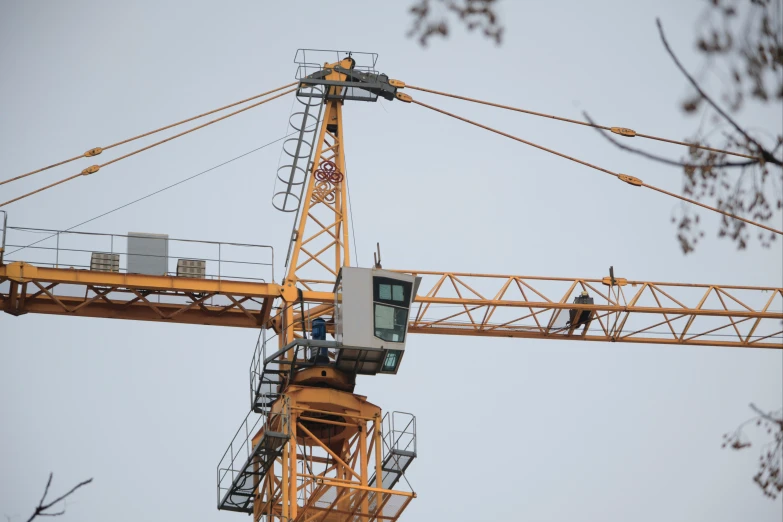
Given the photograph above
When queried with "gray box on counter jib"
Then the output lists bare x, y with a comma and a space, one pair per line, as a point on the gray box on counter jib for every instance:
148, 253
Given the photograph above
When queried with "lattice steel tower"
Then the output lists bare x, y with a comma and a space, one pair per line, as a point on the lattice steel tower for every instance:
318, 451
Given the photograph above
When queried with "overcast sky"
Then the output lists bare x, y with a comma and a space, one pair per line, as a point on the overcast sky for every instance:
508, 429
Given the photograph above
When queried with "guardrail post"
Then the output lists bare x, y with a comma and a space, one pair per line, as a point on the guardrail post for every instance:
248, 442
5, 227
232, 461
57, 252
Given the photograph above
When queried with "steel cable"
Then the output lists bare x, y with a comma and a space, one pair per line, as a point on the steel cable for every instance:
623, 177
180, 182
97, 150
616, 130
95, 168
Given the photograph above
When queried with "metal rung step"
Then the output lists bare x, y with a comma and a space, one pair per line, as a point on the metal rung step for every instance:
393, 467
398, 460
260, 406
239, 496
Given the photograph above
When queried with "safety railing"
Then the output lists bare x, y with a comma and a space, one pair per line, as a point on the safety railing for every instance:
265, 378
292, 175
271, 363
399, 432
69, 249
268, 373
4, 225
310, 61
236, 468
399, 450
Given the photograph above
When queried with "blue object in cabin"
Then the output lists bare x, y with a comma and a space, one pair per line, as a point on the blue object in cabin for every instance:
319, 334
319, 329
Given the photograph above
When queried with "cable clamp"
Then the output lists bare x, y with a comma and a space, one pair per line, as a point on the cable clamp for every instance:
397, 83
91, 170
403, 97
636, 182
93, 152
622, 131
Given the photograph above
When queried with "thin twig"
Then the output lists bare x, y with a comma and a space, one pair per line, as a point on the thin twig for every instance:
52, 514
41, 509
766, 416
46, 490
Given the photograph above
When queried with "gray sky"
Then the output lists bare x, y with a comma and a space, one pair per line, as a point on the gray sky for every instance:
508, 429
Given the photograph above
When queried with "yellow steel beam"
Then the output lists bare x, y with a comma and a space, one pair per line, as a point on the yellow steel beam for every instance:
24, 272
26, 288
450, 303
486, 303
521, 334
489, 305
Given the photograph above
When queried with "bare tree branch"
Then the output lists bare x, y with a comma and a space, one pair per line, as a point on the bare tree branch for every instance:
42, 508
46, 490
655, 157
752, 190
761, 150
765, 415
738, 187
770, 474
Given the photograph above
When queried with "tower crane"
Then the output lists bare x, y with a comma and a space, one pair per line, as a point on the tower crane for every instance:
311, 449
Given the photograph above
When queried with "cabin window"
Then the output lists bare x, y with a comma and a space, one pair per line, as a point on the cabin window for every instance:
391, 361
391, 306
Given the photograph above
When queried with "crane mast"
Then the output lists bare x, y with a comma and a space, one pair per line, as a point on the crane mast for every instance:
320, 243
310, 448
332, 463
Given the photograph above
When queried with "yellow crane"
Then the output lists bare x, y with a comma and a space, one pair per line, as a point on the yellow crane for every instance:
311, 449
